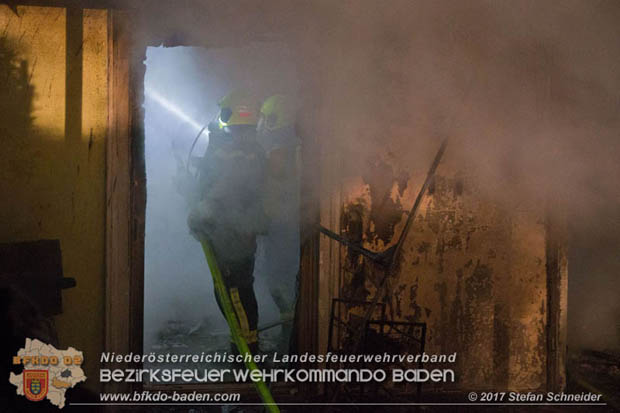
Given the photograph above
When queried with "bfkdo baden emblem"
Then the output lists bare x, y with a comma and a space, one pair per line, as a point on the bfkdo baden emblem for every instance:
35, 384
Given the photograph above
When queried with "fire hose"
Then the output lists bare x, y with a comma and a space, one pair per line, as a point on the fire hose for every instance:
235, 329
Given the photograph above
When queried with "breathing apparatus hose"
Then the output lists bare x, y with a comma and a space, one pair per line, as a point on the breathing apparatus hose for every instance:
191, 149
233, 324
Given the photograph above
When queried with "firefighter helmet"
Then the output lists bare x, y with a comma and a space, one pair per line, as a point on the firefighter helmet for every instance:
277, 112
238, 108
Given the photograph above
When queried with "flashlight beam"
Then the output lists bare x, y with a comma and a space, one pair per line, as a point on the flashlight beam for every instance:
172, 108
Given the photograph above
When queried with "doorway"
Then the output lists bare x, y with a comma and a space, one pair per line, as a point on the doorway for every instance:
182, 86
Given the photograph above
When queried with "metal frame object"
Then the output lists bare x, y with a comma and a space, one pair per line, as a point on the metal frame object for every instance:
407, 333
336, 341
388, 258
336, 321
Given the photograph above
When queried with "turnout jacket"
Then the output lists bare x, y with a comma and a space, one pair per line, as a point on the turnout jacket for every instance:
231, 185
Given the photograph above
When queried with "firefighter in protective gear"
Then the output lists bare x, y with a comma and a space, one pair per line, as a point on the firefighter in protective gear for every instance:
230, 212
278, 249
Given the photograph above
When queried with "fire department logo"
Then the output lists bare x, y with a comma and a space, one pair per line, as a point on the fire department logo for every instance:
35, 384
47, 372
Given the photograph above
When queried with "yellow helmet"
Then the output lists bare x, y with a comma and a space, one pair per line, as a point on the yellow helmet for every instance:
278, 111
238, 108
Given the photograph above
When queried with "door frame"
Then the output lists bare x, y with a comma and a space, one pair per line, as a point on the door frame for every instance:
126, 207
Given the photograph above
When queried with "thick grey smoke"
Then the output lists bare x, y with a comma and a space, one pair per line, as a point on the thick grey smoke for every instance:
528, 92
182, 88
177, 284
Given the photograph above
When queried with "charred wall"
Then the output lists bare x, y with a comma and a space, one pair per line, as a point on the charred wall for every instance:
473, 265
473, 271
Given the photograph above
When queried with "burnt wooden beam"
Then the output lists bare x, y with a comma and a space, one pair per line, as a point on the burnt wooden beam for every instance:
557, 292
118, 311
125, 192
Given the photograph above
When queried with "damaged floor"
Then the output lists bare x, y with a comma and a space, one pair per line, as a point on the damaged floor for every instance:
180, 337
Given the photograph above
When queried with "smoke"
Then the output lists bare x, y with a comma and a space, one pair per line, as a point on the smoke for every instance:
176, 280
528, 93
182, 87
